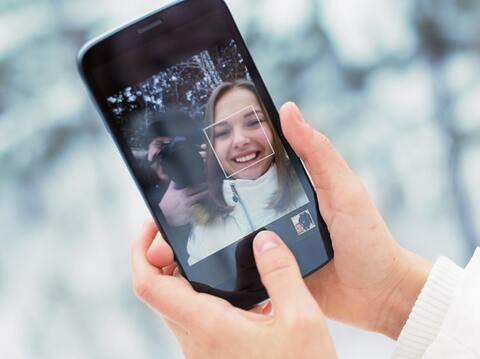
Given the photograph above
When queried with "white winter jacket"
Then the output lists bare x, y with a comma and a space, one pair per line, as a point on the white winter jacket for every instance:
251, 211
445, 321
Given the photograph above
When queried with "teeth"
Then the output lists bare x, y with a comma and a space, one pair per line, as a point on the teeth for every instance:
246, 158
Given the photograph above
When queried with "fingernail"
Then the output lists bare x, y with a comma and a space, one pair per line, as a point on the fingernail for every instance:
297, 112
264, 242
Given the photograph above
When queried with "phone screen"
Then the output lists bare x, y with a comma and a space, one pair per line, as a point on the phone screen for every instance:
195, 124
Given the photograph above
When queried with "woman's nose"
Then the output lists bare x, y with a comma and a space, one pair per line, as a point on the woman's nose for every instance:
240, 138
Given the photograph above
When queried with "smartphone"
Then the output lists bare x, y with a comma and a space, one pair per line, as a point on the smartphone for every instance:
188, 110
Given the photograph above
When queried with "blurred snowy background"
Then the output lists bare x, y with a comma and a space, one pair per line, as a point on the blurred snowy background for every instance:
395, 84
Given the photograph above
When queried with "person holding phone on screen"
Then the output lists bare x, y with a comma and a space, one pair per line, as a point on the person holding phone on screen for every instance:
166, 133
250, 179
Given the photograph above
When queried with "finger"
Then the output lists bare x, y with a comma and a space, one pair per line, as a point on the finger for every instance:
196, 198
152, 152
190, 191
201, 187
173, 298
168, 270
159, 253
280, 274
303, 138
171, 186
329, 171
141, 244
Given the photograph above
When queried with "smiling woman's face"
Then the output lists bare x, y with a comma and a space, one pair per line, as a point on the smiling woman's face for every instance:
242, 142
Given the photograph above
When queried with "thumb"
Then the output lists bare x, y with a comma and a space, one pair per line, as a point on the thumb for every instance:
280, 274
159, 253
329, 172
172, 185
313, 147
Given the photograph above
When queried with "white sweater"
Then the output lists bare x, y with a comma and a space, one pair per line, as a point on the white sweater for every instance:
251, 211
445, 321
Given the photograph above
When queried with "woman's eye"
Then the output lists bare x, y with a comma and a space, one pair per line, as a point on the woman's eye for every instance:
253, 123
221, 133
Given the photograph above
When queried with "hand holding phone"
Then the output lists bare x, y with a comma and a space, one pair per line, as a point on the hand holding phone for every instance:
208, 327
372, 282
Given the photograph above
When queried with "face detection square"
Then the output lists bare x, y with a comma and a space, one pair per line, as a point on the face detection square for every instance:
303, 222
242, 143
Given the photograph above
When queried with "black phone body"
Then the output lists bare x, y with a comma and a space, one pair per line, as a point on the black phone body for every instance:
179, 92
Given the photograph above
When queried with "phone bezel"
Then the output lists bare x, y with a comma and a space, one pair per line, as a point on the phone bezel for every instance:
99, 51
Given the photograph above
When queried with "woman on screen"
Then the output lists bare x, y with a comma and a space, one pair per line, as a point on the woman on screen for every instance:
250, 179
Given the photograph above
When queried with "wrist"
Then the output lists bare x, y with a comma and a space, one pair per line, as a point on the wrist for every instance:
399, 303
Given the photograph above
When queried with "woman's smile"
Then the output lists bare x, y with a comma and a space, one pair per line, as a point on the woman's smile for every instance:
244, 158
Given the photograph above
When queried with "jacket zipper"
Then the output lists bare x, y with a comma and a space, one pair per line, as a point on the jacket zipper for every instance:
237, 198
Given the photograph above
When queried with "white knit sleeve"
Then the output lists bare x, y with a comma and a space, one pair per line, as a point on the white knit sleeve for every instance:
428, 313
